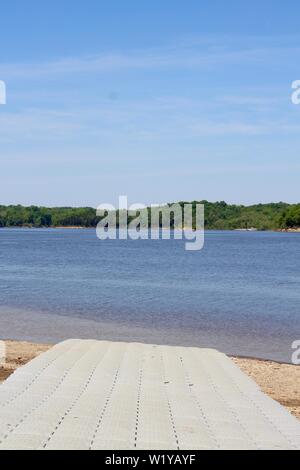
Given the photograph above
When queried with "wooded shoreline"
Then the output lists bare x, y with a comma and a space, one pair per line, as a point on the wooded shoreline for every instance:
218, 216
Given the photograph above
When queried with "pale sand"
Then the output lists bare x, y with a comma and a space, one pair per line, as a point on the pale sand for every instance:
18, 354
280, 381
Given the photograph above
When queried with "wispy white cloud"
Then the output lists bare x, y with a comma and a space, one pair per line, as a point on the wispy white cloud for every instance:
158, 120
217, 128
196, 54
155, 117
37, 125
250, 100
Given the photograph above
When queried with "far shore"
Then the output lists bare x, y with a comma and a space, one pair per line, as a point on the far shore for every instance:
280, 381
78, 227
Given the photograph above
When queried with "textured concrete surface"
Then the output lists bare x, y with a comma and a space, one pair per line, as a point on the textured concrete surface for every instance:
103, 395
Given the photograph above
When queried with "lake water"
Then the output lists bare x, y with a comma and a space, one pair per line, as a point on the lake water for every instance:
240, 294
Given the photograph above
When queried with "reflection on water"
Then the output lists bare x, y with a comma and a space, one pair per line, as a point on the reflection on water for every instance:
241, 293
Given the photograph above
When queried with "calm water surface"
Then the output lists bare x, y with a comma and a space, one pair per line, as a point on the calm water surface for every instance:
240, 294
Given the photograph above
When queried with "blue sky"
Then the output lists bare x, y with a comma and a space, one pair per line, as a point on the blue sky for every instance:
160, 101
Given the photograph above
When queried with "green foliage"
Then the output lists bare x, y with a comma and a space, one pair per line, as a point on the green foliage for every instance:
18, 216
231, 217
291, 217
218, 216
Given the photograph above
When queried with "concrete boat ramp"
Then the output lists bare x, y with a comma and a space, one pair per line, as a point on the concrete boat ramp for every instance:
101, 395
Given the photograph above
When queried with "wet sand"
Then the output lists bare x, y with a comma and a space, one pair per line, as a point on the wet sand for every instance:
280, 381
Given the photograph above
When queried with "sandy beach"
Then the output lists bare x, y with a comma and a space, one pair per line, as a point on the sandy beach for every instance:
18, 353
280, 381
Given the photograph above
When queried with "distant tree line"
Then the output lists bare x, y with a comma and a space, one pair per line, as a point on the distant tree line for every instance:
291, 217
218, 216
33, 216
